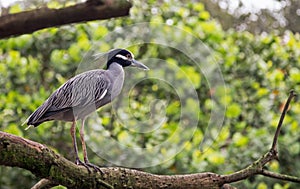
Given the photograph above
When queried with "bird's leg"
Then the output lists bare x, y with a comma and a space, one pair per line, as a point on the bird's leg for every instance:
86, 160
73, 134
83, 142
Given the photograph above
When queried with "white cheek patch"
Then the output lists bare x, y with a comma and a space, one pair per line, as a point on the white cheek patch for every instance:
121, 56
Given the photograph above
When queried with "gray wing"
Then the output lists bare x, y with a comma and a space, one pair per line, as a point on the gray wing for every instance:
80, 91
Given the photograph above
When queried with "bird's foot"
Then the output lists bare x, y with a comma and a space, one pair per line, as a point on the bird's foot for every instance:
79, 162
95, 167
88, 165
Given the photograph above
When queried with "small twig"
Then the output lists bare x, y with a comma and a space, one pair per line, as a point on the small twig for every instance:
105, 184
227, 186
285, 109
43, 184
280, 176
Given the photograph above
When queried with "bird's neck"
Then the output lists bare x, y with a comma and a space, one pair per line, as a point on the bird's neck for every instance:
116, 69
116, 74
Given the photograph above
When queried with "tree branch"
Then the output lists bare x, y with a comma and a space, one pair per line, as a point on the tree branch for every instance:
285, 109
280, 176
53, 168
45, 163
257, 167
30, 21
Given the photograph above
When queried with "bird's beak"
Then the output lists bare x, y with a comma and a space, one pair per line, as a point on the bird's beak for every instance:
138, 64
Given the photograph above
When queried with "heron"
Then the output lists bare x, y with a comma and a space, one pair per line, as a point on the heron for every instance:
83, 94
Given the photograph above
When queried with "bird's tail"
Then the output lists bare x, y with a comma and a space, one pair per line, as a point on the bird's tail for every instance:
34, 118
25, 122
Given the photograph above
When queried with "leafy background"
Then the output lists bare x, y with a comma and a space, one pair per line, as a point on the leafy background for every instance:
258, 70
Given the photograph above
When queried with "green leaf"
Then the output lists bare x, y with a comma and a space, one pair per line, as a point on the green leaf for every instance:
233, 110
204, 15
239, 140
15, 9
13, 129
295, 75
262, 185
216, 158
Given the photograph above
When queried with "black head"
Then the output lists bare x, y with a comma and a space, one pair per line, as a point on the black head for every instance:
124, 58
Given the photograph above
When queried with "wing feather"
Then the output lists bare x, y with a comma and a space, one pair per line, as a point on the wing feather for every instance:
80, 91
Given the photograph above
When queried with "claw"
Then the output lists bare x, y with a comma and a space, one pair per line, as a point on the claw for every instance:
88, 165
95, 167
79, 162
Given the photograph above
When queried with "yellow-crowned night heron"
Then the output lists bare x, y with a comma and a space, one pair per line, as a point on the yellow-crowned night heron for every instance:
84, 94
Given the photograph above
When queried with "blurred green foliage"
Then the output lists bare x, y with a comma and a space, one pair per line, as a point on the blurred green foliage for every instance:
258, 72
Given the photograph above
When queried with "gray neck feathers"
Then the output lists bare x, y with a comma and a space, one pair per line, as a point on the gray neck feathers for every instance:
116, 74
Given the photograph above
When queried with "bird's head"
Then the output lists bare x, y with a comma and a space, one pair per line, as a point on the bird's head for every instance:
124, 58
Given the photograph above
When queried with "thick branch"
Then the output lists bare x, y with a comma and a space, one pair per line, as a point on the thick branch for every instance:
30, 21
44, 163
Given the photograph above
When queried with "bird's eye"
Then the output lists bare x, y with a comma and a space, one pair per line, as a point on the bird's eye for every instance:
129, 56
